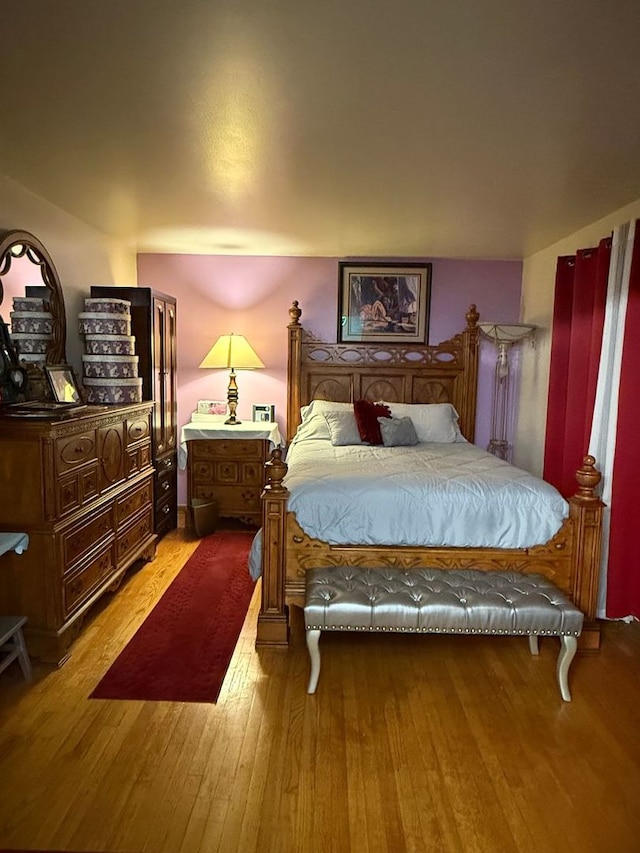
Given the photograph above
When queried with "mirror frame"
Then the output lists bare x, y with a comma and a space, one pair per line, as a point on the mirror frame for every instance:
33, 249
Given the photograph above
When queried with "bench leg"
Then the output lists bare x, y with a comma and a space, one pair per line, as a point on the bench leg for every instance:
313, 639
567, 653
533, 644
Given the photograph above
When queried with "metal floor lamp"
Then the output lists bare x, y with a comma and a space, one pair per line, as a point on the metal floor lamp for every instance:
504, 336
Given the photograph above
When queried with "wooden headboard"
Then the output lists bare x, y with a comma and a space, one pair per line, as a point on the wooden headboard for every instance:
397, 373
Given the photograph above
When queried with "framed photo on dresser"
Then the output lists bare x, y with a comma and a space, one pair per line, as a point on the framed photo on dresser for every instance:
62, 382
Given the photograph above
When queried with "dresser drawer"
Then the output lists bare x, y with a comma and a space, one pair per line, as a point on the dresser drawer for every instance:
166, 463
78, 586
133, 501
75, 450
137, 430
130, 538
138, 458
236, 448
80, 538
77, 488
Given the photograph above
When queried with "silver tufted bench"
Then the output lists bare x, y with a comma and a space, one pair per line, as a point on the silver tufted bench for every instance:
461, 601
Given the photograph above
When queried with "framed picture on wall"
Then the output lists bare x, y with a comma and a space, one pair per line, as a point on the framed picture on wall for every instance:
264, 412
383, 302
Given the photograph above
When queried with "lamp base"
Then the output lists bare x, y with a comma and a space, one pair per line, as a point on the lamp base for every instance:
232, 399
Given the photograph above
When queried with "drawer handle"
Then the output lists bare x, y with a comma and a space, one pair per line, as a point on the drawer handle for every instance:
75, 588
166, 487
166, 510
168, 463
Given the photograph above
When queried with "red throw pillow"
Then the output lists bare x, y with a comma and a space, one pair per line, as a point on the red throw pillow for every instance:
367, 414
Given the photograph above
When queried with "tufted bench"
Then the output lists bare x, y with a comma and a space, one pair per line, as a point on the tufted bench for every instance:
461, 601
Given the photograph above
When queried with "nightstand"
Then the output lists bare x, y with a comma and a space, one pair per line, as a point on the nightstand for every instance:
226, 464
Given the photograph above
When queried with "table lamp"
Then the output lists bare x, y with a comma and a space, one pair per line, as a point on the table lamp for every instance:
233, 352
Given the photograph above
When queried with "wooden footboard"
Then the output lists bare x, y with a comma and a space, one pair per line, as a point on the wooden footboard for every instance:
571, 559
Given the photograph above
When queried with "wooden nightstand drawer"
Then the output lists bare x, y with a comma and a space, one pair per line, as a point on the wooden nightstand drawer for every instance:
242, 473
237, 448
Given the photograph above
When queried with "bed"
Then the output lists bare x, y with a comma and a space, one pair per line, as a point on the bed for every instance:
417, 377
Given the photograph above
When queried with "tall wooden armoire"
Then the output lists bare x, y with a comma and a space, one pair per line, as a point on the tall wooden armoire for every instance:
153, 323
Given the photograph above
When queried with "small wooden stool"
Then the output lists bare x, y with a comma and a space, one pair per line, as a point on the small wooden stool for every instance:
12, 644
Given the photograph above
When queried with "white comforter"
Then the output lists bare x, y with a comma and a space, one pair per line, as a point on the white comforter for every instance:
430, 494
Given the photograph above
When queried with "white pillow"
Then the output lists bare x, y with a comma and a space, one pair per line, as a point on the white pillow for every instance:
319, 407
434, 422
343, 428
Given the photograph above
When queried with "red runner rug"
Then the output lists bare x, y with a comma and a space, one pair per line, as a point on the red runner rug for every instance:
182, 650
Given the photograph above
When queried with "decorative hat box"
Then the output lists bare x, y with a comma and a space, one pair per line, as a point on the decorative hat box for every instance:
29, 303
113, 390
91, 323
110, 344
31, 322
31, 344
107, 306
110, 366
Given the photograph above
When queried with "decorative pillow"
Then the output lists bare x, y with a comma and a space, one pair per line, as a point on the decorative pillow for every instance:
433, 422
343, 428
313, 424
398, 432
367, 416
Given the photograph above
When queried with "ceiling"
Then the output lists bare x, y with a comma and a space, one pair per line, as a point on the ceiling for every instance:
349, 128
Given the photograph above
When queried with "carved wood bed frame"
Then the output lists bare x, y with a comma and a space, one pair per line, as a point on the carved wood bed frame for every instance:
444, 373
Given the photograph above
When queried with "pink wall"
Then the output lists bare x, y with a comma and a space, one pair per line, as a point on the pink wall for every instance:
251, 296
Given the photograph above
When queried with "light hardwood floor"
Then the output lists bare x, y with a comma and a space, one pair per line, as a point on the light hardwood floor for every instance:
412, 743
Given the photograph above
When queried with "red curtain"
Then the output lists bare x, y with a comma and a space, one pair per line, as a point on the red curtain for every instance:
578, 319
623, 572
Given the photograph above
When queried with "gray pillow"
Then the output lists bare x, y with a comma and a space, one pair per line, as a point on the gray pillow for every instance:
343, 428
398, 432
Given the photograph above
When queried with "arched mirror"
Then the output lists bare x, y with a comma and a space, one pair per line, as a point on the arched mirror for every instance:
26, 270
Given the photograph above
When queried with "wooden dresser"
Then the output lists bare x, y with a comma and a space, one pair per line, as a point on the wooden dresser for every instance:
82, 488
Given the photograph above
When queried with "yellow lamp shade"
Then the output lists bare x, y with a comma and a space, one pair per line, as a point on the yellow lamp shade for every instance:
232, 351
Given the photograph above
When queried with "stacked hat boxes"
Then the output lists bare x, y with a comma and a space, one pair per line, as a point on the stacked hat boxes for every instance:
110, 365
31, 328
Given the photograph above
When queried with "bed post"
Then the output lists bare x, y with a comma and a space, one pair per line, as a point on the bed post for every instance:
470, 374
273, 628
585, 508
293, 370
